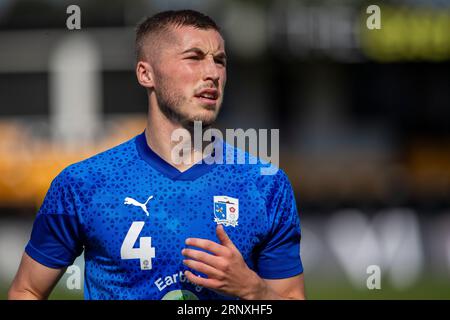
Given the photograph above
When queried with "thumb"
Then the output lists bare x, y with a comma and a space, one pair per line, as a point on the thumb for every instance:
223, 236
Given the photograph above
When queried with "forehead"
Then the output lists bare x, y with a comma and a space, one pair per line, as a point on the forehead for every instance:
208, 40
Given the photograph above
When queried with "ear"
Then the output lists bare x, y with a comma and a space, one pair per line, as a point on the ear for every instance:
144, 74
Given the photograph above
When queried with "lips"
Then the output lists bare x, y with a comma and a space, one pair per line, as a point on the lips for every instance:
208, 94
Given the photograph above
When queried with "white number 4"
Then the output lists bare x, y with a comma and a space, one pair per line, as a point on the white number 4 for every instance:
145, 252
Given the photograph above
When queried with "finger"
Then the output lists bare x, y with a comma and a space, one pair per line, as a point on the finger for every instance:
204, 282
205, 269
223, 237
204, 257
206, 244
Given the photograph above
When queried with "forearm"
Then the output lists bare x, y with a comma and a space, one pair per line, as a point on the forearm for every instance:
33, 281
23, 294
260, 290
267, 293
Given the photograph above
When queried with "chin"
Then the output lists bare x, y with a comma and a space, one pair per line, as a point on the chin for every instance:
206, 120
206, 116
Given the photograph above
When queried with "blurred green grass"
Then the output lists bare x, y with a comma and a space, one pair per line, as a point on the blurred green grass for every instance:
318, 289
426, 288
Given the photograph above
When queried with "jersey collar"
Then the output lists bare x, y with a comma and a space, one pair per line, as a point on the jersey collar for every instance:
158, 163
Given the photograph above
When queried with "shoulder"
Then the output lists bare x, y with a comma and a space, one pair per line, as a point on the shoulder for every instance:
266, 176
100, 164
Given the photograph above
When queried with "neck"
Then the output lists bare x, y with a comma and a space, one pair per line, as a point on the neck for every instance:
158, 133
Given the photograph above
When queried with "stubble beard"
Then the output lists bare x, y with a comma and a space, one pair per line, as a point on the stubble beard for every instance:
171, 103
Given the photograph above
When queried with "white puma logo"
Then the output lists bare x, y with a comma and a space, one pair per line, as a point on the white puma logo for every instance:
135, 203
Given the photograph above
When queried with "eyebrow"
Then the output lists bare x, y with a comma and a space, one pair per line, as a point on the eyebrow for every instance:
200, 51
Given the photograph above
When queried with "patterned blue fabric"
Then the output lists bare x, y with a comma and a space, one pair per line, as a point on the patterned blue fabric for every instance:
130, 193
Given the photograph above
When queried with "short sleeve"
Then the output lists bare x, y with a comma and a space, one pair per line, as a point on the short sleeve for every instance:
56, 235
279, 255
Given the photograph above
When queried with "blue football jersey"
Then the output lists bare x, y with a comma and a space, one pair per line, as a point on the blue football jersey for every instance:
131, 212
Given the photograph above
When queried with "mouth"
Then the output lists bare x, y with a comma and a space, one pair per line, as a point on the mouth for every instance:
208, 96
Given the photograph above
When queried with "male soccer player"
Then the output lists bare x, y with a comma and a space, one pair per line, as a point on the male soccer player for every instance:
153, 229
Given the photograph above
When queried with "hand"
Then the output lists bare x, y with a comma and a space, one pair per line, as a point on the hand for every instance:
226, 269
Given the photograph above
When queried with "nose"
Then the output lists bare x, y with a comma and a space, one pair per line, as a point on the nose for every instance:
211, 71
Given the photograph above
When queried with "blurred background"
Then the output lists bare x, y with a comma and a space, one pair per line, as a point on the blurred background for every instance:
364, 119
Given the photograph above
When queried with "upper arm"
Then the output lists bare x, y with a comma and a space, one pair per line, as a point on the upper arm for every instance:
33, 280
55, 242
291, 288
278, 255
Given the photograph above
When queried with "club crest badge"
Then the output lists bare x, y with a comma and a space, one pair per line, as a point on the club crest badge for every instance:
226, 210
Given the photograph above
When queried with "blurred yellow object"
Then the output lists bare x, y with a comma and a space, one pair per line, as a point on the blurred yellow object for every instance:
408, 34
29, 164
428, 164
